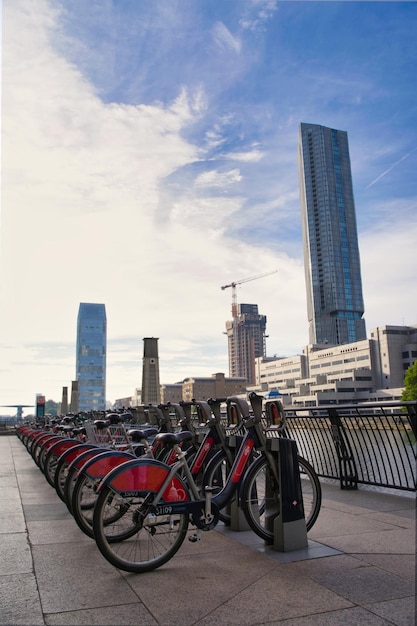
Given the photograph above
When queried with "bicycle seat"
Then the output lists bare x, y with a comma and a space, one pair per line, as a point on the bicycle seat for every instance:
137, 435
79, 431
101, 424
114, 418
126, 417
174, 438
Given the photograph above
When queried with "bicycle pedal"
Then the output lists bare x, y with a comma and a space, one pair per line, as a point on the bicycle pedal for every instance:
194, 538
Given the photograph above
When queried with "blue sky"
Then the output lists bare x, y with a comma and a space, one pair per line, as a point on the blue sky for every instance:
150, 156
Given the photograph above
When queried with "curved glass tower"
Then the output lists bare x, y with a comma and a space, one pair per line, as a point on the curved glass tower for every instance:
331, 252
91, 357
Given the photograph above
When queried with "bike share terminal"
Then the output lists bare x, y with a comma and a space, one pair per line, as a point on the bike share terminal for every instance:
284, 516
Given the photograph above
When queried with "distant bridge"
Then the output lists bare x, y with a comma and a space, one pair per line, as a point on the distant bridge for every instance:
19, 408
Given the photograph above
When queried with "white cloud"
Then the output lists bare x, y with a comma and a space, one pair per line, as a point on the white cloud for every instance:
224, 38
388, 262
257, 13
250, 156
214, 178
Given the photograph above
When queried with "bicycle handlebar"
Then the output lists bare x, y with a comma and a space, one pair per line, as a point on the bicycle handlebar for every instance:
241, 405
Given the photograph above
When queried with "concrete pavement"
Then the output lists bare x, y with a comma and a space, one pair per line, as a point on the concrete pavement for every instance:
359, 567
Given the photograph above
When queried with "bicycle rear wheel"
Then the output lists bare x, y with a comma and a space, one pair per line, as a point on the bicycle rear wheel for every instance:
63, 464
151, 540
84, 491
261, 495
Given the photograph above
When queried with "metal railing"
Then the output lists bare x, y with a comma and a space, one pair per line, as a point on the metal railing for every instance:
372, 444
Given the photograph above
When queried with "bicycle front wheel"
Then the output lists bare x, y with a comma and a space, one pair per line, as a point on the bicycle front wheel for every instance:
261, 496
151, 540
215, 476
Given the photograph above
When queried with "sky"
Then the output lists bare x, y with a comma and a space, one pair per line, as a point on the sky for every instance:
149, 157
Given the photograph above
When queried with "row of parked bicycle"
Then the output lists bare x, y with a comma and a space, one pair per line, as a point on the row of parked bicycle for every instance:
136, 489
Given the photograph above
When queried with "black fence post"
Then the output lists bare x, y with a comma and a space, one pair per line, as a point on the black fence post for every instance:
347, 465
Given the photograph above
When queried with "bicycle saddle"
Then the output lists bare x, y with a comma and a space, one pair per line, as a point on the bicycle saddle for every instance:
174, 438
139, 435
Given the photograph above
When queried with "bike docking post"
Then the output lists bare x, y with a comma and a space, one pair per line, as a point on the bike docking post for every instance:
237, 518
285, 518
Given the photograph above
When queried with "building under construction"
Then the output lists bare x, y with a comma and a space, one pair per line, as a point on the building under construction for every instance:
245, 334
246, 341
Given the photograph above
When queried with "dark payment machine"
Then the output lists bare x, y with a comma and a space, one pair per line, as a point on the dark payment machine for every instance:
287, 521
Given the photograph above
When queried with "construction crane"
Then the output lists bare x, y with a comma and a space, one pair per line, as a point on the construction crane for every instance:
240, 282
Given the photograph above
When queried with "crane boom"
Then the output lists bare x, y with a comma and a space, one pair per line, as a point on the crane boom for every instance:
234, 284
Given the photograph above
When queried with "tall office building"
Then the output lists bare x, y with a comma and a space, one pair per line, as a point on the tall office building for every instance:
331, 253
91, 357
246, 341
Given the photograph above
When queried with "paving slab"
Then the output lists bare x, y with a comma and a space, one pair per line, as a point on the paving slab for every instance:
364, 585
15, 554
56, 510
134, 614
76, 576
19, 601
341, 562
356, 616
404, 565
276, 596
401, 612
395, 541
55, 531
11, 516
402, 518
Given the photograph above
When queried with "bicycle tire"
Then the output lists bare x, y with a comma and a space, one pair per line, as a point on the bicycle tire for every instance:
215, 475
73, 471
52, 455
84, 492
151, 534
40, 448
64, 461
253, 495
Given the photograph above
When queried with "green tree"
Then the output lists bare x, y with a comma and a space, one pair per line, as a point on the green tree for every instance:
410, 384
51, 407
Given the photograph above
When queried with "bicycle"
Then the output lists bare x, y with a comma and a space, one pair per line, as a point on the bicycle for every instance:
259, 474
153, 503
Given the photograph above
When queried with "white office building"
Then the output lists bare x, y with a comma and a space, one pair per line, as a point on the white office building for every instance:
368, 370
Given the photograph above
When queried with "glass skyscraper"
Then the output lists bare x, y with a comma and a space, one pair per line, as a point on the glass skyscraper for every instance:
331, 253
91, 357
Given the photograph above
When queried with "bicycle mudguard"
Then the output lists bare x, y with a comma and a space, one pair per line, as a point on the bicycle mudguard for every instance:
47, 440
73, 452
82, 458
139, 476
101, 464
61, 446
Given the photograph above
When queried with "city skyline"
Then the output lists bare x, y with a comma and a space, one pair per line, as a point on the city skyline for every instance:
149, 156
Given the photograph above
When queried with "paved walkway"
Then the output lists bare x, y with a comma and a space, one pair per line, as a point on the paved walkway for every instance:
359, 567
